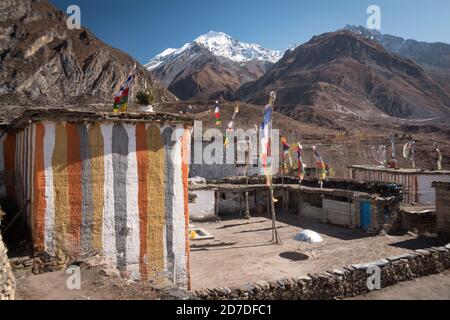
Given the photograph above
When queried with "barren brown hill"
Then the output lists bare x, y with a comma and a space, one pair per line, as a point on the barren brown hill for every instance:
346, 73
42, 61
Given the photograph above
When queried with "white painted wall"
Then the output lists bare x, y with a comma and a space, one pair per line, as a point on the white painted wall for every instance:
427, 194
203, 208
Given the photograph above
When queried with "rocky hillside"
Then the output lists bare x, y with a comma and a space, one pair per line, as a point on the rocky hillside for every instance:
348, 73
212, 66
433, 57
42, 61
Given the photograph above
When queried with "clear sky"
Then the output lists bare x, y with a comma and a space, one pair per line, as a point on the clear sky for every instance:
144, 28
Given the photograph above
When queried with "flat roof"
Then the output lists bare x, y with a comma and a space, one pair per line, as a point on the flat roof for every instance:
73, 115
403, 171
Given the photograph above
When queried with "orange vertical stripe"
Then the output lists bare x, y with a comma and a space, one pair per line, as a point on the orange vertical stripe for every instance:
39, 201
156, 184
96, 149
9, 147
142, 161
185, 167
74, 181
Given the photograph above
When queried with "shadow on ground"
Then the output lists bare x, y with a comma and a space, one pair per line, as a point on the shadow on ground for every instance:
294, 256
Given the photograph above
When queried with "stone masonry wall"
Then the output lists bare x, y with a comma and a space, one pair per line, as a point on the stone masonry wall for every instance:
348, 282
443, 207
7, 280
419, 222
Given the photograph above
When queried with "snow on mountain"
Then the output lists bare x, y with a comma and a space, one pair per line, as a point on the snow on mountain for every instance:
222, 45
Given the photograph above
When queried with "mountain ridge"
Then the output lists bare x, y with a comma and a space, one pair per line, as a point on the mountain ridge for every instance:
42, 61
347, 72
212, 66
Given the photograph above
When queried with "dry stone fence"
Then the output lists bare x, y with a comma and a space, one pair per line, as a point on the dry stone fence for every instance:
7, 281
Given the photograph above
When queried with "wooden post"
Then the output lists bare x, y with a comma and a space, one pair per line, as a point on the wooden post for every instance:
275, 236
283, 193
247, 158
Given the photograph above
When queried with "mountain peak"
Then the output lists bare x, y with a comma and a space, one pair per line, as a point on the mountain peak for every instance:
222, 45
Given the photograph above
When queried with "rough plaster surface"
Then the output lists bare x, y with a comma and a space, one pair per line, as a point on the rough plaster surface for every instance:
104, 187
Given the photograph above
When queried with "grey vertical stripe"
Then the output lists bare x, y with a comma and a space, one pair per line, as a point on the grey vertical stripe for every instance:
169, 146
87, 208
120, 167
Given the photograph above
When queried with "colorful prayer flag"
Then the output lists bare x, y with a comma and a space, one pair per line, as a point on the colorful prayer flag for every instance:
286, 157
121, 97
266, 139
321, 166
217, 114
301, 165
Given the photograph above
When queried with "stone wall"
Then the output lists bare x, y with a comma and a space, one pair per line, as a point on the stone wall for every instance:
7, 280
442, 207
419, 222
348, 282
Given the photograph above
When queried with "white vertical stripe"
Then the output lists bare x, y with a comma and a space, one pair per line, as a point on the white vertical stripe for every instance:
109, 232
165, 254
179, 227
133, 240
31, 148
49, 147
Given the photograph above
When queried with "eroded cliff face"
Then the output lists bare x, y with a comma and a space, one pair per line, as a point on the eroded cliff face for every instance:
42, 61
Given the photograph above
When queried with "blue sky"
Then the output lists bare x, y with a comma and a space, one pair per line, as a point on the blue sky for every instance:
144, 28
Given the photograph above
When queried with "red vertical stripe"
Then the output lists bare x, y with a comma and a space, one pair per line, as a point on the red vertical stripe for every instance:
9, 147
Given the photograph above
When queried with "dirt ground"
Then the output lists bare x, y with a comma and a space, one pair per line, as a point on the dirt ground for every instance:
94, 286
241, 251
435, 287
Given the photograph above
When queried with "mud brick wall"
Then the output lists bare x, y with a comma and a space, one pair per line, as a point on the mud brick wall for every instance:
348, 282
7, 280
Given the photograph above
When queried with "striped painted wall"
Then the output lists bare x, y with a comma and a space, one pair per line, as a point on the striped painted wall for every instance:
116, 188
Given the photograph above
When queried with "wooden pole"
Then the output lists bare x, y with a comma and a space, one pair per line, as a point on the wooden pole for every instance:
275, 236
247, 209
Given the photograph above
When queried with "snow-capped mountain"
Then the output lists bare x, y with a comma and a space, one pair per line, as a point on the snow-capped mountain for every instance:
221, 45
212, 66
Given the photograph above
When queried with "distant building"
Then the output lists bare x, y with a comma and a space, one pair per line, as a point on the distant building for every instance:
416, 183
116, 184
